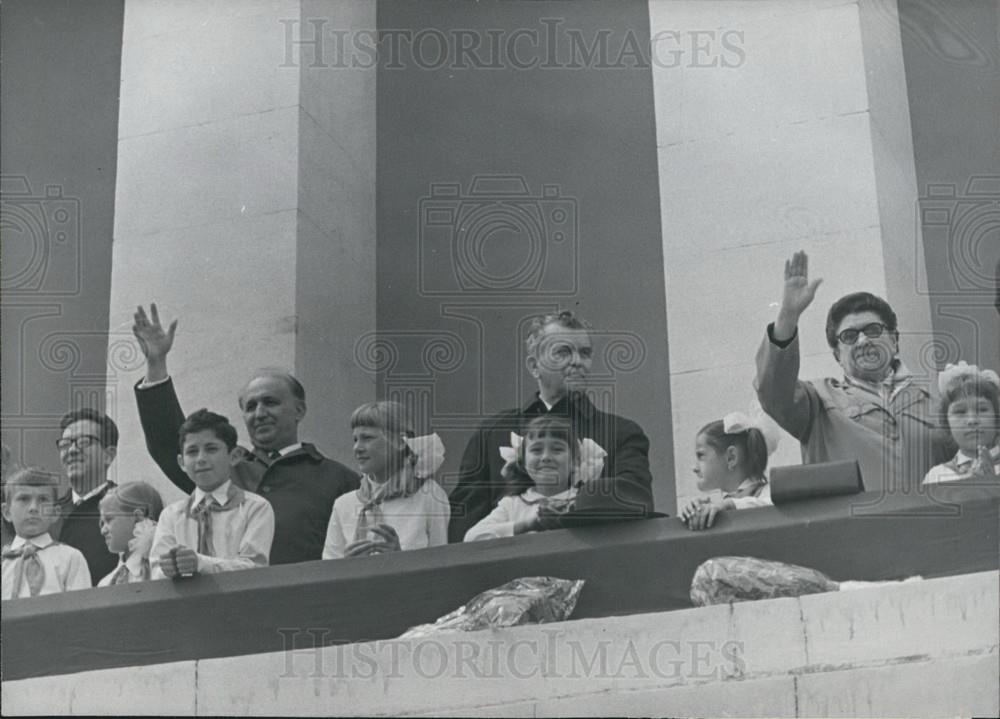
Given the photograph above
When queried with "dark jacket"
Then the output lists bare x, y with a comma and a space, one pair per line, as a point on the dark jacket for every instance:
895, 439
624, 490
301, 486
81, 529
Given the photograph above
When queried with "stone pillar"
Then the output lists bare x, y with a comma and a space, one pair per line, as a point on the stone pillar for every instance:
245, 205
780, 126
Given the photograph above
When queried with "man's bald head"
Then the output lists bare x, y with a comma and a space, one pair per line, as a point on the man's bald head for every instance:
273, 403
280, 374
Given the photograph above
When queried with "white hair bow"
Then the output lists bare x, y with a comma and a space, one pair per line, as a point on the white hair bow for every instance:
142, 541
591, 462
429, 451
738, 422
953, 373
510, 454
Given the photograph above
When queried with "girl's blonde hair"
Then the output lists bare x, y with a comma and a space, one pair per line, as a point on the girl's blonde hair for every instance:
134, 495
385, 415
970, 384
392, 418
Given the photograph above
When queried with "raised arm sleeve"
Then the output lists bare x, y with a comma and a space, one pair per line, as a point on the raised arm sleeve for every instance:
161, 417
793, 404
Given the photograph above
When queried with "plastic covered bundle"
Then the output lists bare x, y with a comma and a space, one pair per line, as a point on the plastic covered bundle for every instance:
526, 600
744, 579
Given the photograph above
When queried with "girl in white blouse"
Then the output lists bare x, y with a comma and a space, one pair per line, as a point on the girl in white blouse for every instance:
542, 473
970, 408
398, 506
129, 513
731, 457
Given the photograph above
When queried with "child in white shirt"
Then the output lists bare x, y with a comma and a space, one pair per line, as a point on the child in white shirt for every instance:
129, 513
220, 527
34, 564
398, 506
542, 480
970, 407
730, 456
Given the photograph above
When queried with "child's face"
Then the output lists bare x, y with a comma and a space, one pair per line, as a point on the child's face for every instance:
31, 510
116, 528
206, 459
549, 463
375, 454
973, 423
710, 466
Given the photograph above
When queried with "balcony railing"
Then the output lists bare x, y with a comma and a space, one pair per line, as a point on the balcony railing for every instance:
629, 568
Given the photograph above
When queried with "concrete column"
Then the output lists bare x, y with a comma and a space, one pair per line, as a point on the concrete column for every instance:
780, 126
245, 204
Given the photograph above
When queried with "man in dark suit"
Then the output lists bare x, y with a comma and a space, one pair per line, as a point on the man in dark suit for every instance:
559, 357
299, 482
87, 447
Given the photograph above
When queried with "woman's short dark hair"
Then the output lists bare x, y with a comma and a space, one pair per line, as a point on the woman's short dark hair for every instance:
853, 303
968, 386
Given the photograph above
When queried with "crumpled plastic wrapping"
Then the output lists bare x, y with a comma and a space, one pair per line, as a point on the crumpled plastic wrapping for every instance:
744, 579
526, 600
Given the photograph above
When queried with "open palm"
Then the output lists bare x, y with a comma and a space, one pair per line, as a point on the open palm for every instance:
155, 342
799, 291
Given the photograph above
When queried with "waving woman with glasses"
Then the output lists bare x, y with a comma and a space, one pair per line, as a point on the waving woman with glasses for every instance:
878, 413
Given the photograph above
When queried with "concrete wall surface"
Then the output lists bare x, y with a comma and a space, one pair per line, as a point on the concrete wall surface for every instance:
919, 649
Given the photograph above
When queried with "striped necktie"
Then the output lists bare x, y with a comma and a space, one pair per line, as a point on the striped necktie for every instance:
203, 513
208, 506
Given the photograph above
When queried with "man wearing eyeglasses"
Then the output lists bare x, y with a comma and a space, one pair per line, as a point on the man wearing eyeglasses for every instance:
877, 414
87, 447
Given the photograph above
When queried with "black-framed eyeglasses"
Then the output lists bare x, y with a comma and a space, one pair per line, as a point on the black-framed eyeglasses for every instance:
871, 331
81, 442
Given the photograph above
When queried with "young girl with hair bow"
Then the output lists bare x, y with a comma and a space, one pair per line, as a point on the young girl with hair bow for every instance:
398, 506
129, 513
731, 456
970, 409
543, 471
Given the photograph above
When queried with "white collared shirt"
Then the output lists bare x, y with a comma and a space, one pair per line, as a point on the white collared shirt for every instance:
897, 380
221, 494
290, 448
420, 519
80, 499
762, 497
509, 511
946, 473
65, 568
133, 573
241, 537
